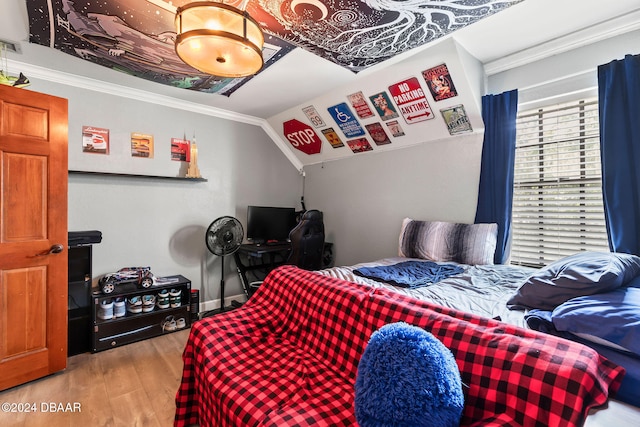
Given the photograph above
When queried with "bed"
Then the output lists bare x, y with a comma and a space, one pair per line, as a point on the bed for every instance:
480, 289
590, 297
291, 356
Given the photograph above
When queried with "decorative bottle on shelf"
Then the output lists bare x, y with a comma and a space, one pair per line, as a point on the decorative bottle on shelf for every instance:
193, 171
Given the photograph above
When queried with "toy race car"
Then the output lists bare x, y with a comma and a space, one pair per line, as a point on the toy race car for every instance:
142, 276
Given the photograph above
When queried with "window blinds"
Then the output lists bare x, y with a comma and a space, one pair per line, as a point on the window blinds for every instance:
557, 200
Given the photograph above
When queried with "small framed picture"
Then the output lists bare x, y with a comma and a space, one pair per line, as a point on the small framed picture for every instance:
95, 140
141, 145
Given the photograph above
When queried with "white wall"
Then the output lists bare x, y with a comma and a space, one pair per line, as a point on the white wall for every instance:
364, 199
161, 222
565, 76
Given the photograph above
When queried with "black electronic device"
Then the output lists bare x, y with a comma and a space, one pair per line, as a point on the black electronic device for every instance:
266, 224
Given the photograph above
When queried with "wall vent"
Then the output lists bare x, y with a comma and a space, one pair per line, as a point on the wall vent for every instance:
9, 46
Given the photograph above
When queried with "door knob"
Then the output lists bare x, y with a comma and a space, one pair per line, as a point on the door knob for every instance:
55, 249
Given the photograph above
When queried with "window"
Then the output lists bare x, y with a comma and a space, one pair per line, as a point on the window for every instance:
557, 197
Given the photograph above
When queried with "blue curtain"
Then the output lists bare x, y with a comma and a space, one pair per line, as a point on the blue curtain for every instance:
619, 106
495, 193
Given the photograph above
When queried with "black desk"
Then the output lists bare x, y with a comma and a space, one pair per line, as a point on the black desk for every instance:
259, 259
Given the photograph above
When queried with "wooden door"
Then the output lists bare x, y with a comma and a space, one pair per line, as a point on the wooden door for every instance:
33, 235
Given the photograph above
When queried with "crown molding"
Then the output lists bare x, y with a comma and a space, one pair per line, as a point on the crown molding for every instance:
611, 28
47, 74
283, 146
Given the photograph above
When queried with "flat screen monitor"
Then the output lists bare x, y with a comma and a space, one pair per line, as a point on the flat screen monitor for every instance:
267, 224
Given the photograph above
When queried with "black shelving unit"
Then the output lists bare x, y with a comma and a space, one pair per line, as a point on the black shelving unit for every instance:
111, 333
79, 307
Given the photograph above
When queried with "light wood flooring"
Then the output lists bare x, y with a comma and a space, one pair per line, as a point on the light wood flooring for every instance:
133, 385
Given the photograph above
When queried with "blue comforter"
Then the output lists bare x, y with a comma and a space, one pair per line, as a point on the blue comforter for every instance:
410, 274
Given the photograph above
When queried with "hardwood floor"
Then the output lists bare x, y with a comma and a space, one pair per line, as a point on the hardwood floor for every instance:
133, 385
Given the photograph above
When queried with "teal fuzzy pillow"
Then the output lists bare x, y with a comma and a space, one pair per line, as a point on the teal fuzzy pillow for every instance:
407, 377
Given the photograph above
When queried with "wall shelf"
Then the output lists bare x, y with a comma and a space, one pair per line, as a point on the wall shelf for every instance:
131, 175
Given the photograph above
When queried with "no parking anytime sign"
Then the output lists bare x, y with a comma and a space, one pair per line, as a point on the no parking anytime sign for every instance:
409, 97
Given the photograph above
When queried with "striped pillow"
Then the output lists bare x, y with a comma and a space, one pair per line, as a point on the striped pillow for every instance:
444, 241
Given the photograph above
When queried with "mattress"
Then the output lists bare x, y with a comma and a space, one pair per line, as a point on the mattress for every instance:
481, 289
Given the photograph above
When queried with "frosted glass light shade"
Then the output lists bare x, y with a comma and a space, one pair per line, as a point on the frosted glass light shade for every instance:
218, 39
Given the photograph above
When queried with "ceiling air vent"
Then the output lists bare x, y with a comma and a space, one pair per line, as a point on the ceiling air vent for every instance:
6, 45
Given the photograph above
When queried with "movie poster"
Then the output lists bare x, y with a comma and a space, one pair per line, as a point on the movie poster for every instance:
383, 106
378, 134
95, 140
141, 145
439, 82
313, 116
456, 119
332, 137
180, 150
359, 103
395, 128
359, 145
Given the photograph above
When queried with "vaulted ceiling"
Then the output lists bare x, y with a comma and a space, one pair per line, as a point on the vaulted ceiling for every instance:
138, 36
317, 45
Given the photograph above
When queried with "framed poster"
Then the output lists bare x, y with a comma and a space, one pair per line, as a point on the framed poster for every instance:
95, 140
378, 134
359, 145
141, 145
456, 119
395, 128
439, 82
359, 103
313, 116
383, 106
180, 150
332, 137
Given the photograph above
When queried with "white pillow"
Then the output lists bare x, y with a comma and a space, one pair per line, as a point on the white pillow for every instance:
471, 244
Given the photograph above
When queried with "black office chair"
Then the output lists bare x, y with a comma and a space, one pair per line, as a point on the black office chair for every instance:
307, 245
307, 241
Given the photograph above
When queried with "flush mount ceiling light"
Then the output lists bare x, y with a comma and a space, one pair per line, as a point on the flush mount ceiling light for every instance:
219, 39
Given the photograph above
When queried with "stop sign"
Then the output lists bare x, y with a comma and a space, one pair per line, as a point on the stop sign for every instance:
302, 137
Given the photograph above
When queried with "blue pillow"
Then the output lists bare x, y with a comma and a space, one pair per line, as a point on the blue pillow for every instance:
585, 273
611, 318
407, 377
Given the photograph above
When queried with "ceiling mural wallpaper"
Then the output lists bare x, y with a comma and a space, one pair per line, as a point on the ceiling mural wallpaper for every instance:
360, 33
133, 36
137, 36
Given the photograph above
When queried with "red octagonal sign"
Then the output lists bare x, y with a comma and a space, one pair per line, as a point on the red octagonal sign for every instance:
302, 137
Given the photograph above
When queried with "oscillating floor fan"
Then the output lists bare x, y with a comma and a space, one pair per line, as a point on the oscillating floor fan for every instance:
224, 236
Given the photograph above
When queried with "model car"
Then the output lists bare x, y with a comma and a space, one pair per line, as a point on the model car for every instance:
142, 276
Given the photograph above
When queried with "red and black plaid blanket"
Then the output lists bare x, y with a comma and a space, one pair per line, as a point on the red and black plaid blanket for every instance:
289, 357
